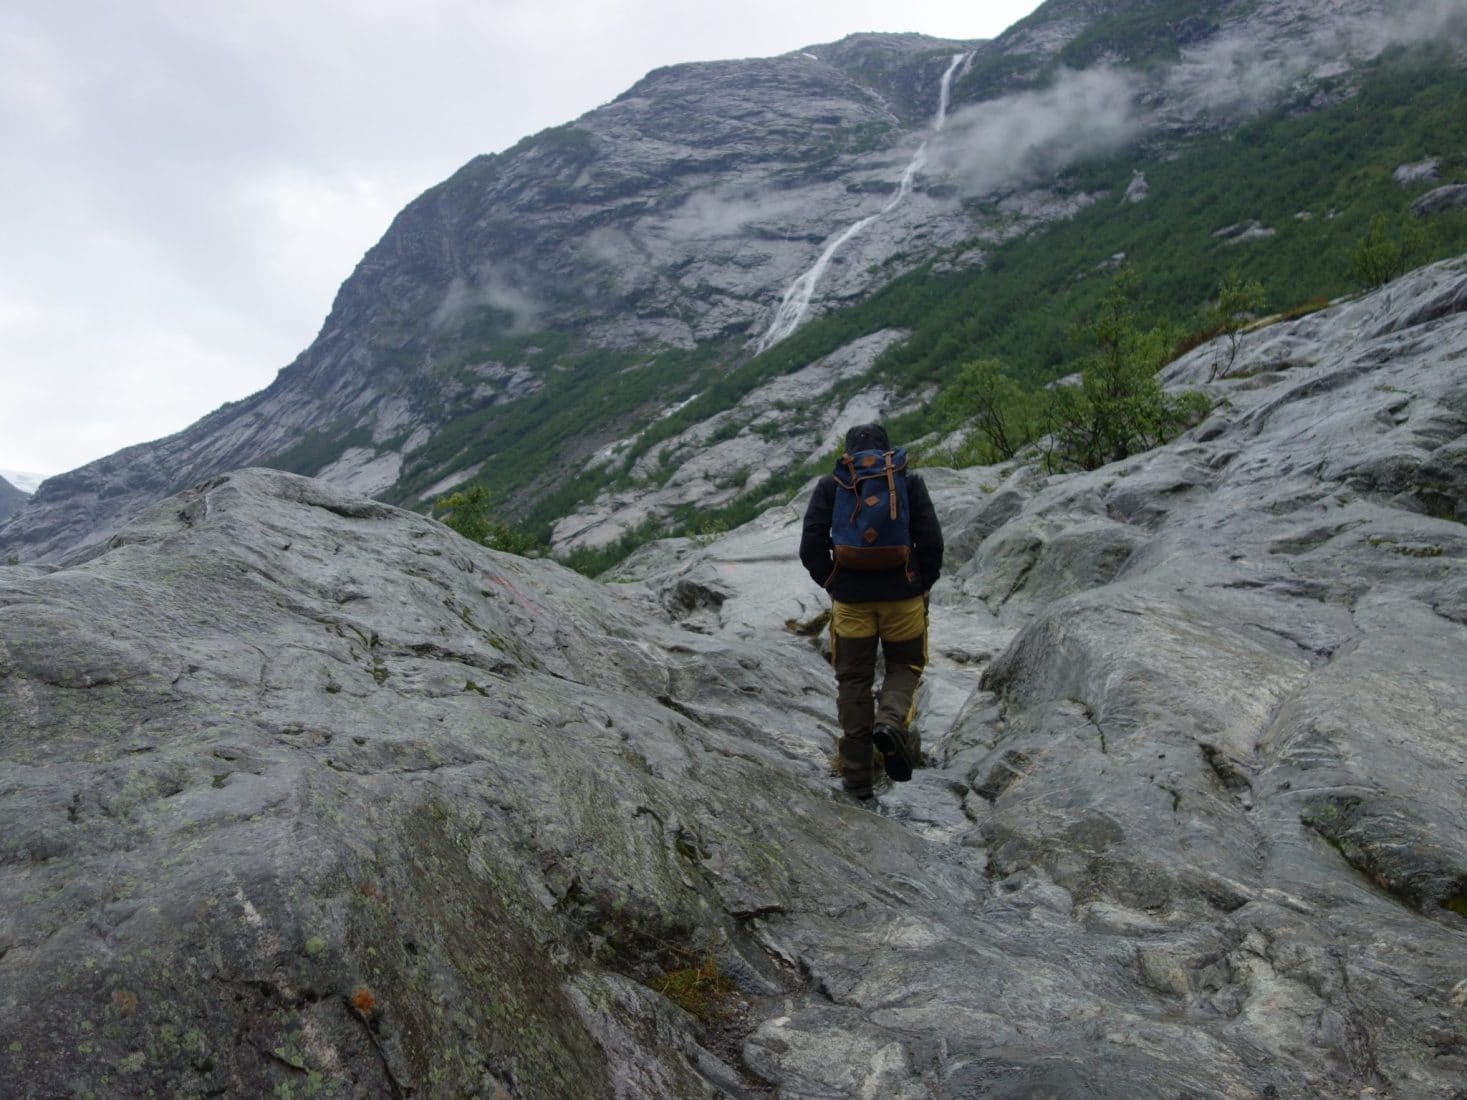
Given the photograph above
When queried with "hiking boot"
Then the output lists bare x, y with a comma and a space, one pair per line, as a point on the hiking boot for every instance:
912, 744
894, 752
856, 765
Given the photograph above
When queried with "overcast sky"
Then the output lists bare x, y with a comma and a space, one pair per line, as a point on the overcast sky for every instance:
187, 184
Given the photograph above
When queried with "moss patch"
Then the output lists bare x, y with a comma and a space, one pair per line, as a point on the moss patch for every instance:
702, 991
458, 960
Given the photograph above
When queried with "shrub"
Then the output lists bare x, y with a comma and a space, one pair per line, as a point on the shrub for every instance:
1118, 407
1005, 416
469, 512
1237, 304
1388, 250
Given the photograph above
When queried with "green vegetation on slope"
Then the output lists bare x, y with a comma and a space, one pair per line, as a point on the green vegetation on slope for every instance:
1317, 178
531, 445
1333, 165
1139, 30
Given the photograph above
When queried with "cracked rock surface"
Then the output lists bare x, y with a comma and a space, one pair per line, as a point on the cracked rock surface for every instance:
1202, 713
305, 792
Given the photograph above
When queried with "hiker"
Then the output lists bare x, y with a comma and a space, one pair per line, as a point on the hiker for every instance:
872, 540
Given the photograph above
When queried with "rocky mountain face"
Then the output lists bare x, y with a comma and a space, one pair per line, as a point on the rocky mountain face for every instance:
566, 293
675, 214
306, 794
11, 499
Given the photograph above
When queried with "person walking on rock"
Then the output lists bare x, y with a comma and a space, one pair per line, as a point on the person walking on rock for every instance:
872, 540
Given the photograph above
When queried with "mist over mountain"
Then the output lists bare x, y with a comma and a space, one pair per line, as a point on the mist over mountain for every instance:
26, 483
546, 316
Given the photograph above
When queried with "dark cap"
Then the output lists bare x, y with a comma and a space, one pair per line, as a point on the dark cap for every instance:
867, 437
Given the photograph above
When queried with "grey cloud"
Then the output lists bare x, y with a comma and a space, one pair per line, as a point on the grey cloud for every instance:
1001, 144
1245, 72
1005, 142
1421, 21
710, 215
490, 289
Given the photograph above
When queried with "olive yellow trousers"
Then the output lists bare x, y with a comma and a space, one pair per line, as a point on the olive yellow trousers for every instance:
858, 631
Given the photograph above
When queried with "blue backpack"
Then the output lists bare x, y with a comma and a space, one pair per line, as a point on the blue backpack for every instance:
871, 524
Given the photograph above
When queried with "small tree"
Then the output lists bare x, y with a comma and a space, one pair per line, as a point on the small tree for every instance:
1118, 408
1388, 250
469, 512
1237, 303
1002, 412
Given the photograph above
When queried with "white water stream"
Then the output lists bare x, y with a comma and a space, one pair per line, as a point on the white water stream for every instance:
796, 300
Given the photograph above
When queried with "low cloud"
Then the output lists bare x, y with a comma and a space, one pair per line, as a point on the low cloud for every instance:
1028, 137
490, 289
1251, 70
610, 246
1422, 21
1229, 78
712, 215
1006, 142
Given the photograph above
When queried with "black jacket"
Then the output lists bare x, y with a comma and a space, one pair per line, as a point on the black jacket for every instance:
853, 586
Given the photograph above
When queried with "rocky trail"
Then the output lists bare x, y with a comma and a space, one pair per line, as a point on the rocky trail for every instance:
1157, 715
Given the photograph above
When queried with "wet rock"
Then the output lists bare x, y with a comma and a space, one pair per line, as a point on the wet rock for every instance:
318, 820
1385, 842
298, 784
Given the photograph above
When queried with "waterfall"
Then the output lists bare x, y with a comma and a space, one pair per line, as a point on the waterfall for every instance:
796, 299
947, 87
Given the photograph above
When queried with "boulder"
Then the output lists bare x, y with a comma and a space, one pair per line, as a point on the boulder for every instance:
1421, 171
306, 791
1451, 197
